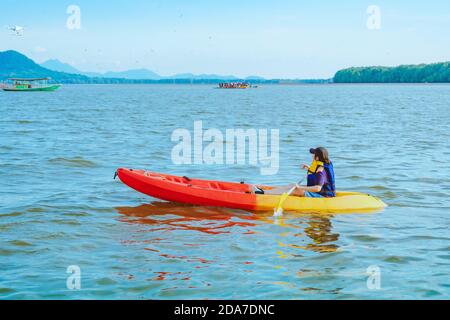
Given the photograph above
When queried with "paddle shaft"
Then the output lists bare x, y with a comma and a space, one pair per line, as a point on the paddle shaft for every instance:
279, 209
295, 187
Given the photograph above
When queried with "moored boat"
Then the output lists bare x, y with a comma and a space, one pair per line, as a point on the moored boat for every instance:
29, 84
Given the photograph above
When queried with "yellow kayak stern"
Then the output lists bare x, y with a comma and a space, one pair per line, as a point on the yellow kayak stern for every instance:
343, 202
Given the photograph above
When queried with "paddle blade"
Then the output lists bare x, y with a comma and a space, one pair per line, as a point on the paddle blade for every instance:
279, 210
277, 213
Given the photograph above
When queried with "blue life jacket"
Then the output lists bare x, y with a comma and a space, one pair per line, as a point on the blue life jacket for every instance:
329, 188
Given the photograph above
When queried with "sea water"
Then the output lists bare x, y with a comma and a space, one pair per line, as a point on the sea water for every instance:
69, 231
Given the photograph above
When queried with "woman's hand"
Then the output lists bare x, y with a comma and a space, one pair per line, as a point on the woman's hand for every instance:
305, 167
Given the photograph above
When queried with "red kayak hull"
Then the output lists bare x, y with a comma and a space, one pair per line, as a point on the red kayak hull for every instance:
186, 190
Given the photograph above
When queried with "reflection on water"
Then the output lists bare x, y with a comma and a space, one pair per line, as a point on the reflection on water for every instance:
316, 227
210, 242
320, 231
203, 219
170, 217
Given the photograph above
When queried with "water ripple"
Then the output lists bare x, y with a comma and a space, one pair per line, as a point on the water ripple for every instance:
60, 206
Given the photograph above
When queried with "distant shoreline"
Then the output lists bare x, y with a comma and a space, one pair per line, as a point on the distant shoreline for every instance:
412, 84
16, 65
418, 73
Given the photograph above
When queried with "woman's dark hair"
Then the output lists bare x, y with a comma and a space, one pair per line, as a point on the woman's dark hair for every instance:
322, 154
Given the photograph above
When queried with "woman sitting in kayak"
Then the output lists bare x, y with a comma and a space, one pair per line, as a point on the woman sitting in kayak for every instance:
320, 179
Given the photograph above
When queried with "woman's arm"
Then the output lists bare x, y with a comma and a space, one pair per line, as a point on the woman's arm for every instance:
316, 188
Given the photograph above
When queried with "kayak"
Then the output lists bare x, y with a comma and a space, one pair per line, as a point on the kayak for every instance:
238, 195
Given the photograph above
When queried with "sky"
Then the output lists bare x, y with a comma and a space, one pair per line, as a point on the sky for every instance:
275, 39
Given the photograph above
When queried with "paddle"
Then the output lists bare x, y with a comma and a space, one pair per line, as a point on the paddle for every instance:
278, 211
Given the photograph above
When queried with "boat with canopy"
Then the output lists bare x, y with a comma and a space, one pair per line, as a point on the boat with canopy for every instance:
30, 84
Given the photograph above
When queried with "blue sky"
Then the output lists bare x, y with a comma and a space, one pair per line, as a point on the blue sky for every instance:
274, 39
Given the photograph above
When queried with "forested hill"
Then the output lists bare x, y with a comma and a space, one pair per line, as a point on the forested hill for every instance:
15, 64
421, 73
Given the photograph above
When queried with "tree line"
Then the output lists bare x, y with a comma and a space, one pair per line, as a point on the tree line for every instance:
422, 73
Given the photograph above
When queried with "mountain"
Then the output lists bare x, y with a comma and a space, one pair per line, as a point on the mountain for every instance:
16, 65
138, 74
201, 76
141, 74
254, 78
57, 65
133, 74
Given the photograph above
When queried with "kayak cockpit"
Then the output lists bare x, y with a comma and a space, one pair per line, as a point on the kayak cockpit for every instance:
199, 183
